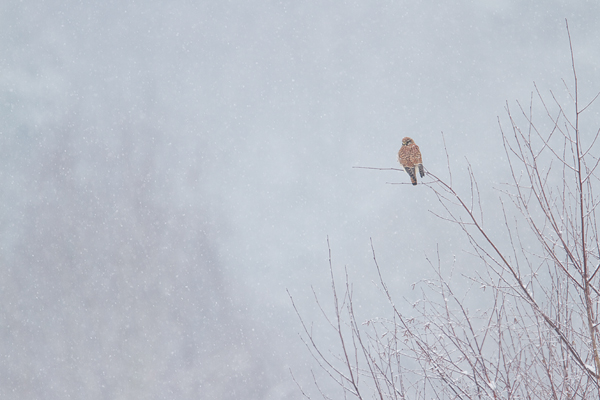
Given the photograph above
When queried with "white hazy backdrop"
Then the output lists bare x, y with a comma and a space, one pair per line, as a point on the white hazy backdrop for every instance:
169, 169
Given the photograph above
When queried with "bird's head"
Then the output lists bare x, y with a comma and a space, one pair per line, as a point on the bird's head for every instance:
406, 141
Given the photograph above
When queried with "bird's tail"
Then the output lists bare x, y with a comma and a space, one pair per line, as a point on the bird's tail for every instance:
411, 172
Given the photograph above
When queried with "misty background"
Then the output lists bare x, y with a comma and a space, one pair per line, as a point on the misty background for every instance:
170, 169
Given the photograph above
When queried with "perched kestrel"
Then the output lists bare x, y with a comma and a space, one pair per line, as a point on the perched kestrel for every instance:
410, 157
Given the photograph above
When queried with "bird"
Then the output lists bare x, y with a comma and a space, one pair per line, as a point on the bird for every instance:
409, 157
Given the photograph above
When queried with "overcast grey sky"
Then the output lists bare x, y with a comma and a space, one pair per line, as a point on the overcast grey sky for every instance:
169, 169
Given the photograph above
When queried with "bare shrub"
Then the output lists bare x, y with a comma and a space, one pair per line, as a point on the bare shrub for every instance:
537, 336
